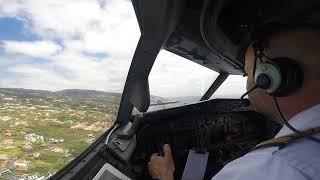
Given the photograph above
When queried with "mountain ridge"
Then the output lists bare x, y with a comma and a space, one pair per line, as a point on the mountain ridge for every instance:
72, 93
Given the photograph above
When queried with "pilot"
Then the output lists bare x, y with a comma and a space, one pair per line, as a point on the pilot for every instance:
299, 159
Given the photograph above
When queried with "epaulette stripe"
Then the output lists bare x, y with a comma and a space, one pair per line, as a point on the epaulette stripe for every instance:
283, 141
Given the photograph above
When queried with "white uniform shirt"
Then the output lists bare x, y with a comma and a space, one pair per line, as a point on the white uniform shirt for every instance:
298, 160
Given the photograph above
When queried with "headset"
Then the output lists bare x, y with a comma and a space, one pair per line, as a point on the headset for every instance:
278, 77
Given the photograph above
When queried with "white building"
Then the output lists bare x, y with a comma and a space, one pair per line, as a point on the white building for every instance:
57, 150
34, 138
5, 118
55, 141
4, 157
8, 99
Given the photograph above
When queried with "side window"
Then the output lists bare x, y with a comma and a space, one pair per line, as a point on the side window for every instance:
233, 87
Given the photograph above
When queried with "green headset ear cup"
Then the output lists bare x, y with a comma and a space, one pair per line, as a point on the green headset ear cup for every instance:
285, 74
291, 74
270, 71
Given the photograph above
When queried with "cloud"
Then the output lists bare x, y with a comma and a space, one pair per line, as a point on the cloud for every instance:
106, 74
53, 17
69, 70
172, 76
87, 44
82, 28
9, 8
31, 48
82, 25
31, 76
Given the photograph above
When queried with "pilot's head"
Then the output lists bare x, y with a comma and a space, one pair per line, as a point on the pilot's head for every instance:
286, 29
302, 45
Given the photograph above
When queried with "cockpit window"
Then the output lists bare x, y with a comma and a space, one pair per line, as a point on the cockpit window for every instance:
232, 88
71, 58
174, 79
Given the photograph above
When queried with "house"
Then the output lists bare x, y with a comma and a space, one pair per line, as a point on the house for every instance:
21, 165
90, 140
35, 176
7, 141
26, 146
34, 138
80, 113
57, 150
66, 154
8, 99
23, 123
79, 126
36, 154
6, 118
4, 157
47, 114
55, 141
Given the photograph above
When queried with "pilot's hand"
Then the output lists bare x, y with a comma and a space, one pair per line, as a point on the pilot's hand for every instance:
162, 167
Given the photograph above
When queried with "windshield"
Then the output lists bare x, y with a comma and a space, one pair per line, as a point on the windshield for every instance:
63, 65
71, 58
174, 79
232, 88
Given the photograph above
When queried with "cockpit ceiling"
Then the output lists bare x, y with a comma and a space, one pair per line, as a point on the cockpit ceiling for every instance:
188, 44
216, 33
186, 40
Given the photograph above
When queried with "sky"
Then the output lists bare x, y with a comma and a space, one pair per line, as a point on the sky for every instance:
87, 44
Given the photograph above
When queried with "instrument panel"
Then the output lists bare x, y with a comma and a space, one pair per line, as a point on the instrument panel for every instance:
225, 128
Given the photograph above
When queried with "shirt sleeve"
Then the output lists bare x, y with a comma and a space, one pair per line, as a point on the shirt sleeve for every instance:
260, 165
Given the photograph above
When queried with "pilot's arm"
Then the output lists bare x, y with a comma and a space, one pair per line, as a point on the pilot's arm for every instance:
162, 167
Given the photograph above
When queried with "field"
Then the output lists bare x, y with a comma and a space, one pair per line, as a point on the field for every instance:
41, 131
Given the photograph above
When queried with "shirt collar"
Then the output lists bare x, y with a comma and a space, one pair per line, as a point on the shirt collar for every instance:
307, 119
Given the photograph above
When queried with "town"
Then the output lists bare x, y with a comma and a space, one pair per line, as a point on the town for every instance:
42, 131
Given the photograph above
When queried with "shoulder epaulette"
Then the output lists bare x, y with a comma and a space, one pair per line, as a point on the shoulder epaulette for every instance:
281, 142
